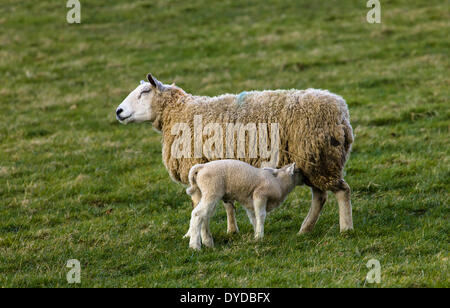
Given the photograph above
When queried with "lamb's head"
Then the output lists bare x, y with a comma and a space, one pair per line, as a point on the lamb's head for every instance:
288, 175
138, 105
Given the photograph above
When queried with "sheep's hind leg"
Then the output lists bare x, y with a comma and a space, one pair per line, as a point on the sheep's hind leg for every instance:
319, 197
232, 226
342, 194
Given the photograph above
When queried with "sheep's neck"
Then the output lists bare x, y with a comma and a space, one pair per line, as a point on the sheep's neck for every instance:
172, 97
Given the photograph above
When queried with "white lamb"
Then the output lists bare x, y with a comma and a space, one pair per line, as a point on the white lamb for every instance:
258, 190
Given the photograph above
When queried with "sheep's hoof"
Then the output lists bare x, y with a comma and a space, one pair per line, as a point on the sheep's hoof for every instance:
346, 230
303, 231
232, 231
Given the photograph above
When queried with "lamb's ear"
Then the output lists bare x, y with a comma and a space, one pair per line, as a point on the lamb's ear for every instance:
142, 82
271, 170
291, 169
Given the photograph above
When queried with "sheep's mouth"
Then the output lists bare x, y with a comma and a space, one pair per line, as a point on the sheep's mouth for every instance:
122, 119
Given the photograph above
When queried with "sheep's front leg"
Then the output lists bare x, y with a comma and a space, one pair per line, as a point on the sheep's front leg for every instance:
260, 215
231, 218
319, 198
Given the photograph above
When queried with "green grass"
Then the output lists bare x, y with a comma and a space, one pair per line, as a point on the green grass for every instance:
74, 183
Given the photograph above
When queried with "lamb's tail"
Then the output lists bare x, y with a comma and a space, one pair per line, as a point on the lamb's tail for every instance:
193, 179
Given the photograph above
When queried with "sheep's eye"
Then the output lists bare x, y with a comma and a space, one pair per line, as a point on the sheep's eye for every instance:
144, 91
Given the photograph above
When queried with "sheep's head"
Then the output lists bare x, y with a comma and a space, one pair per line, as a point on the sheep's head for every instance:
137, 106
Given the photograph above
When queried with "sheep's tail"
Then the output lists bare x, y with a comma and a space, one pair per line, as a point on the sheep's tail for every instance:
193, 179
348, 135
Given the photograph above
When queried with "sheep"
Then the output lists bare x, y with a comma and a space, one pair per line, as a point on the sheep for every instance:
309, 127
258, 190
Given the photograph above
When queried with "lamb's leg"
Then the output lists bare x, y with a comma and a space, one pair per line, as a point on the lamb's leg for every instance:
195, 226
260, 215
319, 198
345, 206
231, 218
251, 217
200, 216
207, 238
196, 196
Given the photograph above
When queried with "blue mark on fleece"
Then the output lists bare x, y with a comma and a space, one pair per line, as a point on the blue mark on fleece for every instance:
240, 99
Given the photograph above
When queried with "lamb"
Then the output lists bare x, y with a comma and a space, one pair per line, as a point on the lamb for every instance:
258, 190
309, 127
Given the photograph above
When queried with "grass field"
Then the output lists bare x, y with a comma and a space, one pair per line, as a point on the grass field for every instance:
75, 184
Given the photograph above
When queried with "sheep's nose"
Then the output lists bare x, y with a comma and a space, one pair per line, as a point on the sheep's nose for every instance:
119, 111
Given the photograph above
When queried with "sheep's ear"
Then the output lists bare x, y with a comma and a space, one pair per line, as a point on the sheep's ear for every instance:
152, 80
155, 82
142, 82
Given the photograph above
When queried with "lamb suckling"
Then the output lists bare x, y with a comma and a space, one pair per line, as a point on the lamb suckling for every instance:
258, 190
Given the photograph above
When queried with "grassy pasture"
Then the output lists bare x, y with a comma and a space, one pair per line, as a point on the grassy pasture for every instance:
74, 183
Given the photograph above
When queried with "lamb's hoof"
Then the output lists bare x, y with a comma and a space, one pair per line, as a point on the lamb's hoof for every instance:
195, 243
195, 247
187, 235
208, 243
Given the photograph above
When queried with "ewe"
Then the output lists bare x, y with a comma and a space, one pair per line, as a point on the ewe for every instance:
258, 190
309, 127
